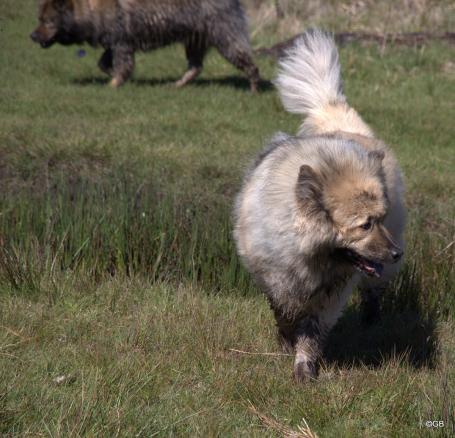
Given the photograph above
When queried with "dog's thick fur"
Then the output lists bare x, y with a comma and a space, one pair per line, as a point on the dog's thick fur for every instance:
319, 205
124, 26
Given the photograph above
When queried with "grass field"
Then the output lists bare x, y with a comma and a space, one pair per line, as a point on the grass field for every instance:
283, 18
121, 296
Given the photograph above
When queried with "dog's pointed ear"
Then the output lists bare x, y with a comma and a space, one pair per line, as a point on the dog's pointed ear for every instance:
375, 158
376, 155
309, 188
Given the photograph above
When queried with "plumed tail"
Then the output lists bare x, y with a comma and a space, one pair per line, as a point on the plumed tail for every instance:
309, 83
309, 76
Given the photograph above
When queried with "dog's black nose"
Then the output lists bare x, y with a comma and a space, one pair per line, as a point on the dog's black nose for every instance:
396, 254
34, 36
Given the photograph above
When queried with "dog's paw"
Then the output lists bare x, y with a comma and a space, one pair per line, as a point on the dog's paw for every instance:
305, 371
115, 82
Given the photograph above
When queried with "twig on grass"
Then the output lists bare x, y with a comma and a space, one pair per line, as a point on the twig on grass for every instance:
15, 333
445, 248
252, 353
12, 356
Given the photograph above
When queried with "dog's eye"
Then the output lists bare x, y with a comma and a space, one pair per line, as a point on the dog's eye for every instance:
367, 225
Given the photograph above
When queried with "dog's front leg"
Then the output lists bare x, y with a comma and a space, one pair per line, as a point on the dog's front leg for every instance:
310, 335
311, 332
122, 65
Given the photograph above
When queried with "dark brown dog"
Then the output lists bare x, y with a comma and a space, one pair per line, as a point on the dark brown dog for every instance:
123, 26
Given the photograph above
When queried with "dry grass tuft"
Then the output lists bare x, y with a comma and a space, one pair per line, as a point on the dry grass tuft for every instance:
303, 430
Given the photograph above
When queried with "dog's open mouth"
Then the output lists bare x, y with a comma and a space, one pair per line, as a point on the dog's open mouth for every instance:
369, 267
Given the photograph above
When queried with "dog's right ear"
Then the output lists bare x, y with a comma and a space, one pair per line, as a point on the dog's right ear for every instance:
309, 188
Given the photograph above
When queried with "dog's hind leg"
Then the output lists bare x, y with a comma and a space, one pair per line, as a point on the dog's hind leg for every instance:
236, 49
122, 65
243, 61
195, 49
372, 291
370, 307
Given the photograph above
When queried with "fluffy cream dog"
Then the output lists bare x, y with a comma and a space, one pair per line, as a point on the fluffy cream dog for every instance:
321, 212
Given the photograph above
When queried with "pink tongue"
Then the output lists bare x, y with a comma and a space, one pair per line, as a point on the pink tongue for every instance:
374, 269
369, 268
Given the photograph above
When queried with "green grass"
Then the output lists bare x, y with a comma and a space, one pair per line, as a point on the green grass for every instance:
118, 270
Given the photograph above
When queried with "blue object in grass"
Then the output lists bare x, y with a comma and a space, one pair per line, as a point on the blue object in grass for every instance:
81, 53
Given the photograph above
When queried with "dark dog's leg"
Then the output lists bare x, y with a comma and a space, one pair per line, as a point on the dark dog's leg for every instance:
122, 65
106, 62
195, 50
239, 54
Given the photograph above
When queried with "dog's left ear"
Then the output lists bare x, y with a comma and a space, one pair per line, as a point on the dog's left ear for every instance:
309, 188
376, 157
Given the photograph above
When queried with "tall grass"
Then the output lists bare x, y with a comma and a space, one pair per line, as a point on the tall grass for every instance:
121, 221
118, 224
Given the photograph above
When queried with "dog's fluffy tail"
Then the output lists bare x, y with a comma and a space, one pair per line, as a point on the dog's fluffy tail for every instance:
309, 82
